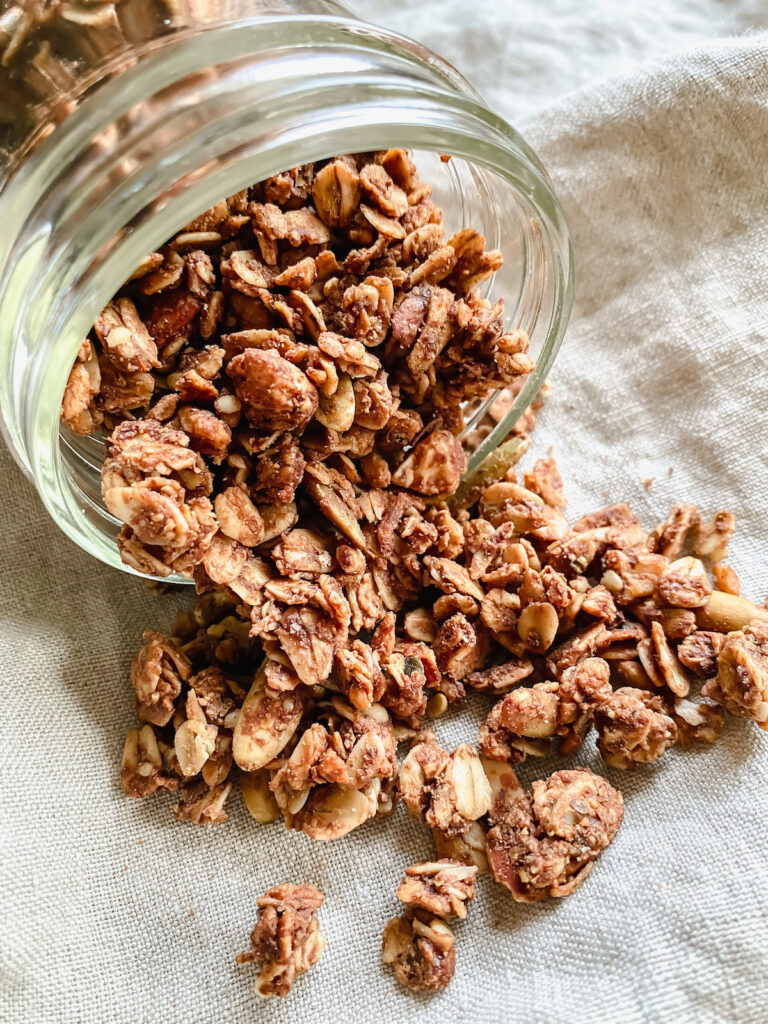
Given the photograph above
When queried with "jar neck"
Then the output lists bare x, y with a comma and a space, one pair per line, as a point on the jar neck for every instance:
198, 118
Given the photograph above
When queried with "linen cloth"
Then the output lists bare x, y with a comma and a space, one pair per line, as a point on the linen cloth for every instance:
664, 368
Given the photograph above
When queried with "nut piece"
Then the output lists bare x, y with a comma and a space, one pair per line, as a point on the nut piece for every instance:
633, 728
276, 395
238, 517
713, 537
435, 466
258, 797
194, 743
286, 939
727, 612
441, 887
422, 951
548, 841
468, 848
741, 685
336, 192
448, 791
267, 721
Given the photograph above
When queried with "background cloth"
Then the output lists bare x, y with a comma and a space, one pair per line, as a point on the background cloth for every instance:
663, 371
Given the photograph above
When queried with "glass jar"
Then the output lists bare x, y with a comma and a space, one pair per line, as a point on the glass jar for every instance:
120, 123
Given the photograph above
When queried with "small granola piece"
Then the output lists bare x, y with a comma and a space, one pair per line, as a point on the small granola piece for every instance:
446, 790
459, 647
697, 721
83, 385
507, 502
685, 584
286, 939
202, 804
276, 394
141, 769
206, 432
545, 480
548, 841
665, 662
382, 191
741, 684
421, 950
158, 671
669, 539
435, 465
302, 553
336, 192
194, 743
440, 887
699, 652
331, 812
467, 848
124, 337
633, 728
713, 537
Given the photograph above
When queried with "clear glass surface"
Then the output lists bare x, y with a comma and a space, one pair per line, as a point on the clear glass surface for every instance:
161, 128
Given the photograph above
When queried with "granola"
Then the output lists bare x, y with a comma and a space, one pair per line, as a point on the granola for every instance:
286, 939
547, 842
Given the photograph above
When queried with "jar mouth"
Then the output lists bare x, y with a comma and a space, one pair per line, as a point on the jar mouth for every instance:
200, 118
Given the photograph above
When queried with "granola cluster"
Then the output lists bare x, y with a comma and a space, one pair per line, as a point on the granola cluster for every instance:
286, 939
419, 944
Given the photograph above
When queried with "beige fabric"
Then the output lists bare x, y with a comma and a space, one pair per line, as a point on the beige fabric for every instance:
665, 365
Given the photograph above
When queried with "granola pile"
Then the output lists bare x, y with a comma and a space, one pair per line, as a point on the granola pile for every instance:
284, 385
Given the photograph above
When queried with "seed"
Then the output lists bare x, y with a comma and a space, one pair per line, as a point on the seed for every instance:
437, 705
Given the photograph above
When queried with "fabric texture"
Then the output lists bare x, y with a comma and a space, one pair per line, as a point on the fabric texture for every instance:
663, 375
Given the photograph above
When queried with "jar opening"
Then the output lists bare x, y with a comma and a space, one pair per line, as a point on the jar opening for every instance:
150, 151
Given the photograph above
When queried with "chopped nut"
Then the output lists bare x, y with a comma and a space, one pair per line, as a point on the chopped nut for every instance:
258, 797
713, 537
727, 612
267, 721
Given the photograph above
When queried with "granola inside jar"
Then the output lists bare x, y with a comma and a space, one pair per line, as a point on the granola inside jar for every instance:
121, 123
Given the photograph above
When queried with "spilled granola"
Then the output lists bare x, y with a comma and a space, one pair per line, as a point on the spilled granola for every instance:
283, 401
